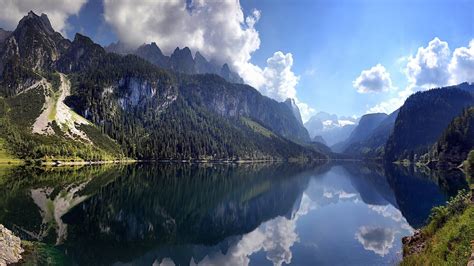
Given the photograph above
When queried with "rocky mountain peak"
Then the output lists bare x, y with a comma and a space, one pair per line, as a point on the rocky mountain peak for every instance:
182, 61
230, 76
203, 66
294, 108
79, 38
118, 48
154, 47
153, 54
38, 47
39, 23
82, 54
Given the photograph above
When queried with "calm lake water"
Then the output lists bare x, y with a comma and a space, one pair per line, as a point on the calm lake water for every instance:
254, 214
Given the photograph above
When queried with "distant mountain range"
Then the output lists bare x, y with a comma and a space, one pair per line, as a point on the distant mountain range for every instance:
415, 131
181, 60
367, 124
75, 100
330, 128
66, 100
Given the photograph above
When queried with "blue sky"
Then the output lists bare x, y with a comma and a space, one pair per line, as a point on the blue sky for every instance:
338, 39
330, 42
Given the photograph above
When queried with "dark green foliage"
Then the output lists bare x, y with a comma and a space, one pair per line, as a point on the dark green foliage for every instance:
373, 144
455, 206
455, 142
149, 112
230, 99
422, 119
155, 115
18, 113
15, 76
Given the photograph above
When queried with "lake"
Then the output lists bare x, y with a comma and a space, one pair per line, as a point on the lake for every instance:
223, 214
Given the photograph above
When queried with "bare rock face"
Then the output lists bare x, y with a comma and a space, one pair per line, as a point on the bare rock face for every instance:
413, 244
10, 247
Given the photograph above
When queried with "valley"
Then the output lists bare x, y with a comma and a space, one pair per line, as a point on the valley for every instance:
142, 155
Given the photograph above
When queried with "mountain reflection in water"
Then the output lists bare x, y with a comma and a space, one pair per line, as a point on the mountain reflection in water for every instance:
224, 214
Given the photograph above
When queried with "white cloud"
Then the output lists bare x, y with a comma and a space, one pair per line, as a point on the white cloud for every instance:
377, 239
217, 29
462, 64
375, 79
280, 81
306, 111
275, 237
429, 67
58, 11
432, 66
387, 106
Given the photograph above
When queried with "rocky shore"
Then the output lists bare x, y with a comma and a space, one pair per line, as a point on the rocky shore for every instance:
413, 244
10, 247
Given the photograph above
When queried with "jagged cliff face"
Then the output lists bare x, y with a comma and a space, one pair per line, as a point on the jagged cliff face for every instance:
235, 100
151, 112
81, 55
153, 54
35, 43
181, 60
294, 108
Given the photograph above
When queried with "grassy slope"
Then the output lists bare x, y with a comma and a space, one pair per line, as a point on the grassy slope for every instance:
451, 229
450, 244
6, 157
18, 113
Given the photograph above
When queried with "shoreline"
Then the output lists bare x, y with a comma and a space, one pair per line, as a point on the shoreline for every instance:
58, 163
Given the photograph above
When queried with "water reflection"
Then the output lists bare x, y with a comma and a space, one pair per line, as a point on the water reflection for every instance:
257, 214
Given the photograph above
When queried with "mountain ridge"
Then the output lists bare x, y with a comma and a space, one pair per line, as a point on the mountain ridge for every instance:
180, 60
146, 111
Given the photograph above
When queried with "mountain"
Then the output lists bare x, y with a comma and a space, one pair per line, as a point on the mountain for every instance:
366, 124
423, 118
454, 145
31, 48
153, 54
34, 121
66, 99
4, 34
181, 60
372, 145
363, 130
331, 128
294, 108
319, 139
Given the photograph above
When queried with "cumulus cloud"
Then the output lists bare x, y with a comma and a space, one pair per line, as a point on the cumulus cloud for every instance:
462, 64
387, 106
375, 79
432, 66
217, 29
376, 239
306, 111
58, 11
275, 237
280, 81
429, 67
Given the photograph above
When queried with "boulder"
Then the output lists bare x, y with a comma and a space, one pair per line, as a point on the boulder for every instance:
10, 247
